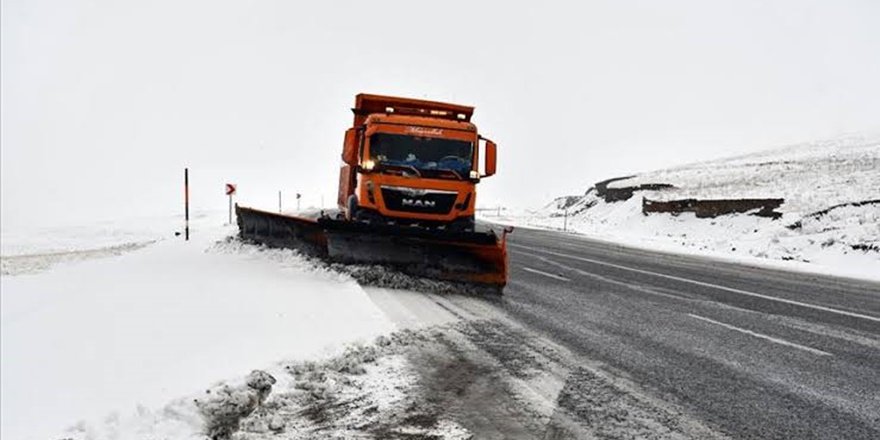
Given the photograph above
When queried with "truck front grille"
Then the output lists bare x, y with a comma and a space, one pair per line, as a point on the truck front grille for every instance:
428, 201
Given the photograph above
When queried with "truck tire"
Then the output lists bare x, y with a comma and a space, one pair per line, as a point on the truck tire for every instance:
367, 216
352, 207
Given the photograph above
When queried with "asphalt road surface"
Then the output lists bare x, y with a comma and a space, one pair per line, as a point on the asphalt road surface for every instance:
750, 352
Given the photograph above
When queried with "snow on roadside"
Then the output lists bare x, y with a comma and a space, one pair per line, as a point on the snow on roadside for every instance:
103, 344
814, 177
83, 237
466, 379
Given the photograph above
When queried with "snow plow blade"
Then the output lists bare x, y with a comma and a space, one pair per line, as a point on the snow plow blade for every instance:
477, 258
282, 231
470, 257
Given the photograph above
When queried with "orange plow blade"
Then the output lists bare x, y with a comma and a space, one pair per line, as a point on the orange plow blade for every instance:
472, 257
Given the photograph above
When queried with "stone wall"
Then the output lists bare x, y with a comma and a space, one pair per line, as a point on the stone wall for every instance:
714, 208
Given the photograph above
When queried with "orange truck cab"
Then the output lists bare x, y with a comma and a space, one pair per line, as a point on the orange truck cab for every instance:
412, 162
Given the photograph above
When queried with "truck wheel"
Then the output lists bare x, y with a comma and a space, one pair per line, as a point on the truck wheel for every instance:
352, 206
367, 216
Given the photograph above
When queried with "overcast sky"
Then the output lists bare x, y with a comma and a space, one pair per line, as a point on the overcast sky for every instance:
105, 101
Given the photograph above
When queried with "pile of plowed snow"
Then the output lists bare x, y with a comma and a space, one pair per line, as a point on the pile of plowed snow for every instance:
97, 336
830, 217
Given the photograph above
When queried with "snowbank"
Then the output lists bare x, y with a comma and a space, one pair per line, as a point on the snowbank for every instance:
94, 340
843, 240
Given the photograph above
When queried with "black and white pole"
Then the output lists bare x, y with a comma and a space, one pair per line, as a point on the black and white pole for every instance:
186, 202
279, 202
230, 208
565, 222
298, 195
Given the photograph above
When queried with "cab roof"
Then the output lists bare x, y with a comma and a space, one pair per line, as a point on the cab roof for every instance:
421, 121
367, 104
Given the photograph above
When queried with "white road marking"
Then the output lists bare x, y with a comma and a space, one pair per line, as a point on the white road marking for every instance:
633, 286
546, 274
762, 336
704, 284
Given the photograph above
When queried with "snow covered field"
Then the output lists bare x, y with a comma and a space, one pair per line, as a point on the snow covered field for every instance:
811, 178
100, 335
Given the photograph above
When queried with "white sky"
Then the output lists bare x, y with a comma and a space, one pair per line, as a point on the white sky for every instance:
105, 101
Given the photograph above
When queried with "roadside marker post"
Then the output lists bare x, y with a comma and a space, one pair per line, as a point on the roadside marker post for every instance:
230, 190
186, 202
279, 202
298, 195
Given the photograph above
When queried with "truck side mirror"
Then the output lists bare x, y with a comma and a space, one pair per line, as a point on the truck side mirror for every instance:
350, 147
491, 152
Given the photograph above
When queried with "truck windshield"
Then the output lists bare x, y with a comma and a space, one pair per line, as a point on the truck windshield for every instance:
433, 157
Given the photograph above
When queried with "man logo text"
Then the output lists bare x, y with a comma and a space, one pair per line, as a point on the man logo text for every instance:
416, 203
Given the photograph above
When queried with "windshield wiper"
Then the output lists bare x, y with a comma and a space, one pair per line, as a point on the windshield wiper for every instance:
448, 170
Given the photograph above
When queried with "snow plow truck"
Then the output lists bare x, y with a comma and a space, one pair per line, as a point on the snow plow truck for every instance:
407, 197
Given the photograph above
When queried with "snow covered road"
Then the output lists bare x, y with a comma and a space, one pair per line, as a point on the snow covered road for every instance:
749, 351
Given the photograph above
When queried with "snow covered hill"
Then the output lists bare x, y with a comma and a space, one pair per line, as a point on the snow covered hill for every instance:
830, 217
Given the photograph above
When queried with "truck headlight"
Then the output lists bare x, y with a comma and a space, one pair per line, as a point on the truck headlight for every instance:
474, 175
369, 165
